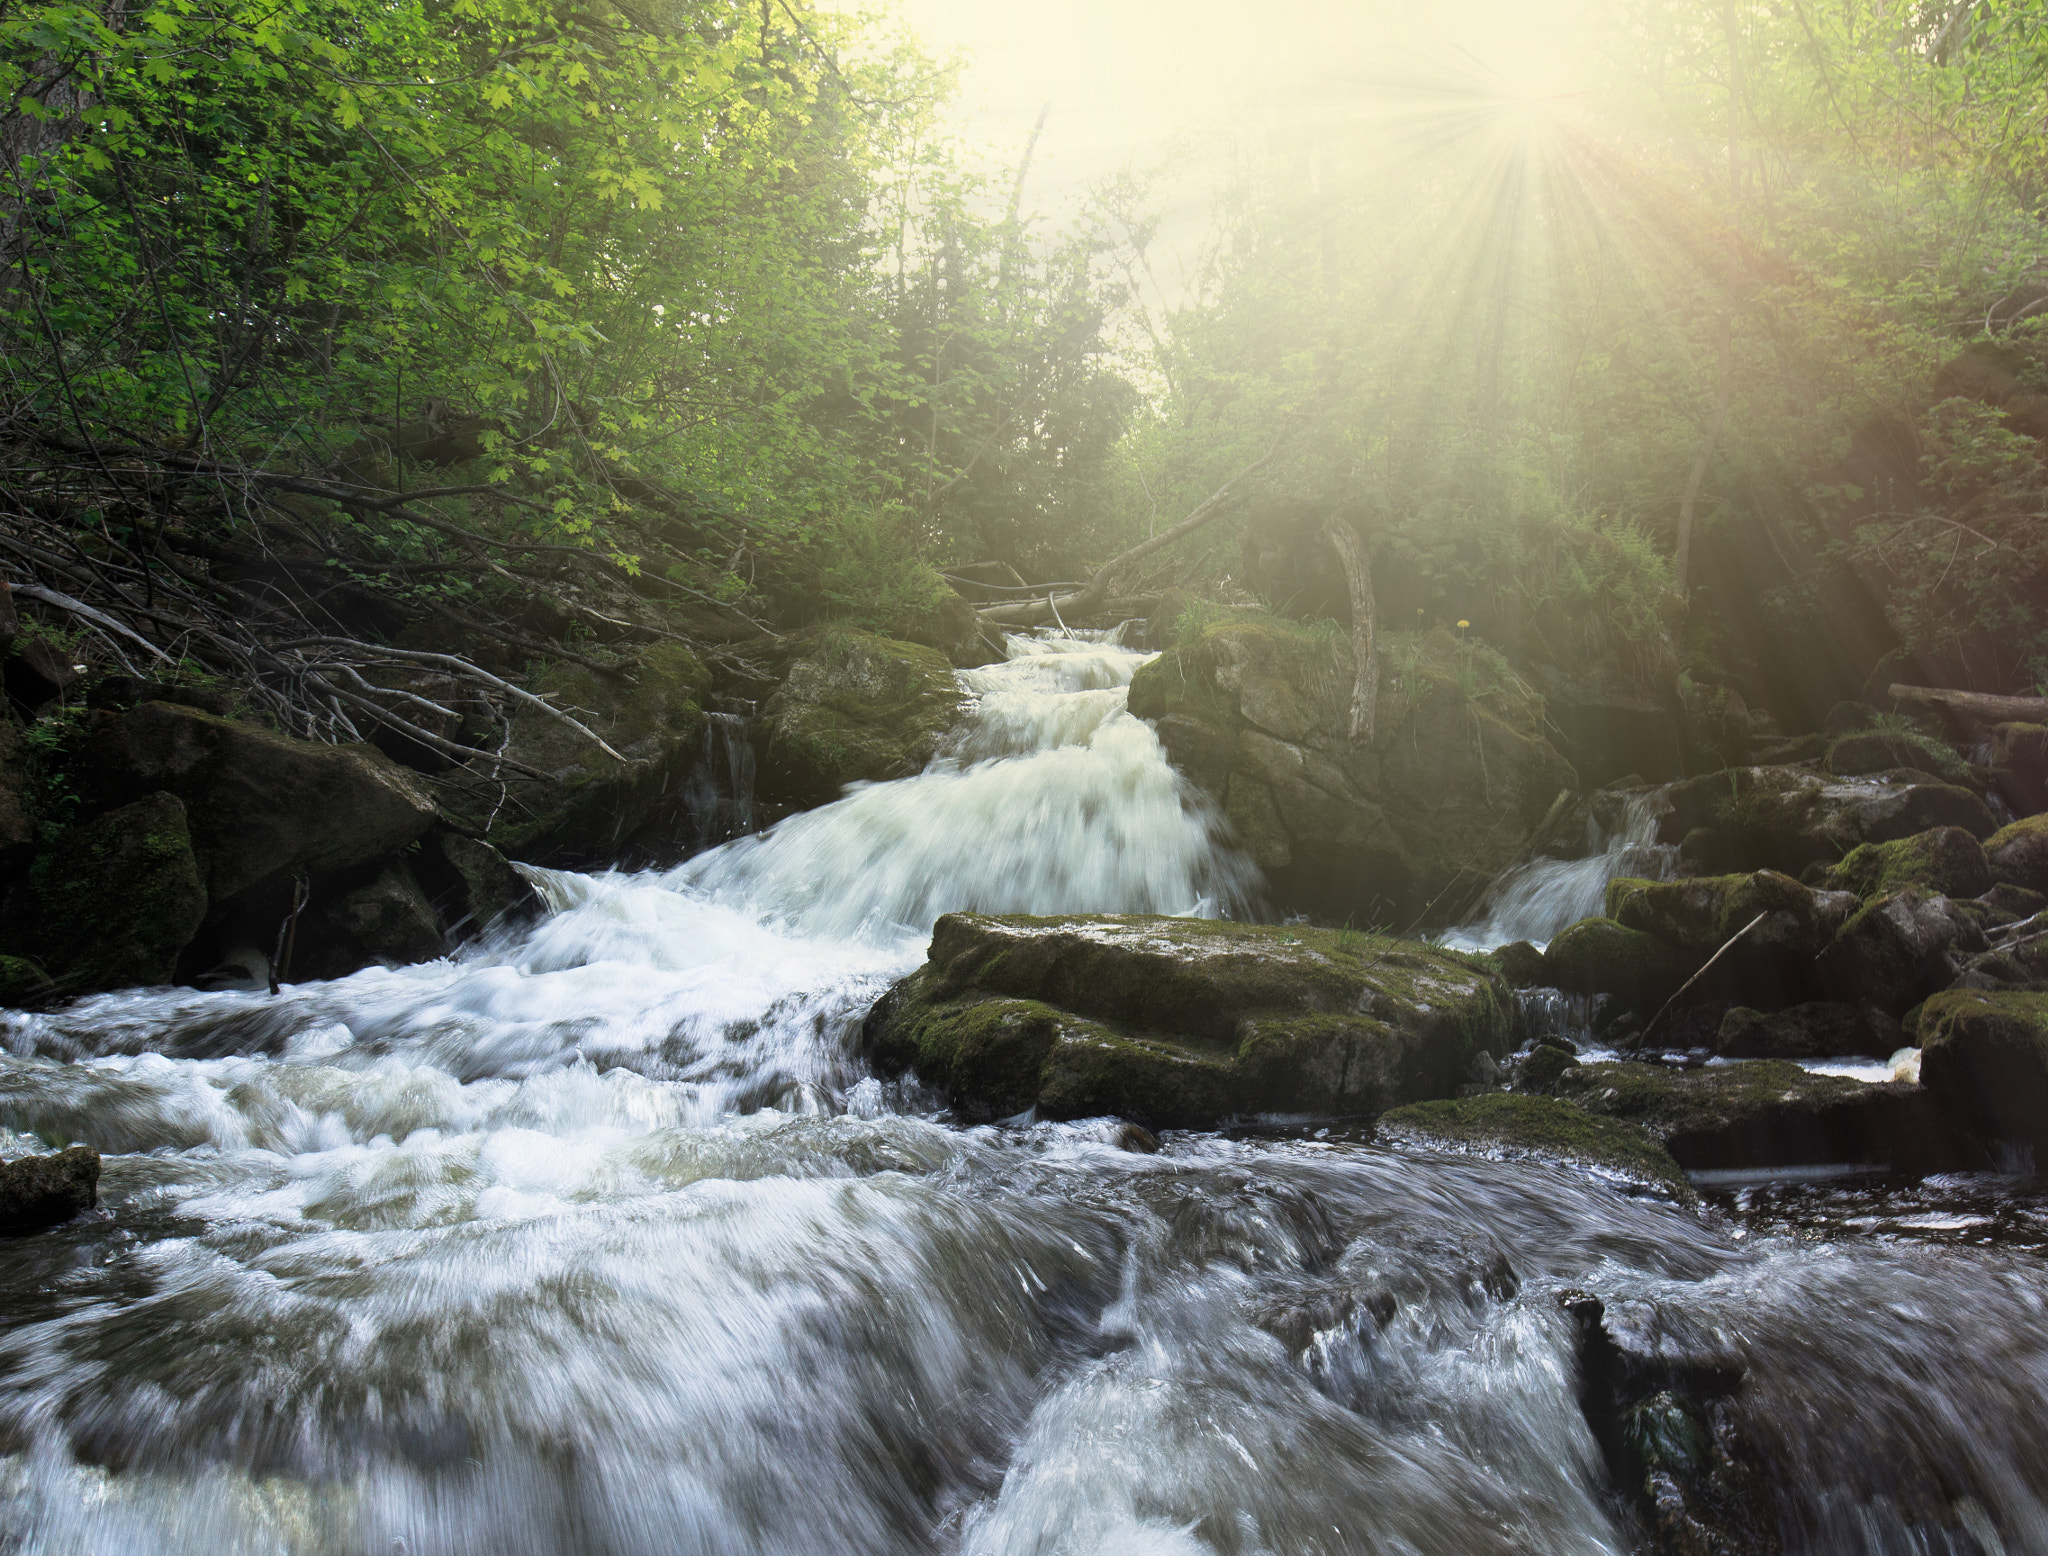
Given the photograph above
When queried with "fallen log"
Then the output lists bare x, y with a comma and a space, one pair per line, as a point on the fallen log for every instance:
1976, 707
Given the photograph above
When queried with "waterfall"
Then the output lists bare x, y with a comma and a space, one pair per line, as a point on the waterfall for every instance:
597, 1239
1533, 901
719, 796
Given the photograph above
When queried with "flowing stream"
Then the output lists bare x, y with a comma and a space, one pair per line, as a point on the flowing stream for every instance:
598, 1238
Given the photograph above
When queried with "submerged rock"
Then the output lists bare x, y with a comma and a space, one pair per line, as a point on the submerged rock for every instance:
1769, 1113
859, 708
44, 1191
1182, 1023
1540, 1127
1985, 1055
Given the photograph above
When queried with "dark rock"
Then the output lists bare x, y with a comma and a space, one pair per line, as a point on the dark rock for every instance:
1539, 1127
1897, 950
2019, 759
259, 805
1257, 711
1819, 1029
119, 693
472, 885
1610, 725
1788, 753
1985, 1056
2014, 901
859, 708
1946, 862
1769, 1113
114, 902
2018, 854
595, 809
388, 919
1697, 915
1599, 956
1183, 1022
1539, 1070
1856, 755
38, 671
1520, 963
45, 1191
953, 628
1847, 718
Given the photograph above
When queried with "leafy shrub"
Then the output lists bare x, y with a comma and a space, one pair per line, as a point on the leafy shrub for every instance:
872, 576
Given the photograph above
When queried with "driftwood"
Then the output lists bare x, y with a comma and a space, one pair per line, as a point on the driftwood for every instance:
1094, 595
1976, 707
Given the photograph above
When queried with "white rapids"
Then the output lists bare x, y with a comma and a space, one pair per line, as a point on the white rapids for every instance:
598, 1239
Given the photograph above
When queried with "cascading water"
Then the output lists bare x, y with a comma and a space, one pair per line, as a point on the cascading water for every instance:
1534, 901
597, 1238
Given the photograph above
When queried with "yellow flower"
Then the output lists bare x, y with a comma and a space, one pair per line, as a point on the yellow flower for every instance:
1463, 625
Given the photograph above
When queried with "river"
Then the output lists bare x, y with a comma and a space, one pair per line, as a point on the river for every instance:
598, 1238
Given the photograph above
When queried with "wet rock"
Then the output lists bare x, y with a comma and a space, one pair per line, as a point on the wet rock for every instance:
1857, 755
1787, 818
1697, 915
1945, 862
595, 809
1184, 1022
1897, 950
37, 1192
472, 885
386, 918
112, 903
1985, 1056
858, 708
260, 806
1818, 1029
2018, 854
1540, 1068
1539, 1127
1520, 963
1257, 711
1298, 1319
1599, 956
1769, 1113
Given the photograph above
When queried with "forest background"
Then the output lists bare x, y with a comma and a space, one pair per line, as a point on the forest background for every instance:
1727, 360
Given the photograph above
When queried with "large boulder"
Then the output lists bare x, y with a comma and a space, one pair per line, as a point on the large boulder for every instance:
1697, 915
386, 917
1768, 1113
593, 808
472, 885
1184, 1022
1441, 795
1946, 862
1897, 950
1862, 754
2019, 761
857, 708
2018, 854
1818, 1029
1985, 1055
260, 806
1787, 818
45, 1191
112, 903
1599, 956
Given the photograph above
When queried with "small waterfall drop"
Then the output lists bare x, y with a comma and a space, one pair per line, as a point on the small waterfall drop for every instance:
719, 797
1533, 901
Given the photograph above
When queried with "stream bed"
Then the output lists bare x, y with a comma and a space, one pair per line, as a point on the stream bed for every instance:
599, 1238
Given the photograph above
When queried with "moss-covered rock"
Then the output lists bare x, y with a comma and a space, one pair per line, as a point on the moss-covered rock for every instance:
1818, 1029
592, 808
1599, 956
2018, 854
1184, 1022
1521, 964
1540, 1127
116, 900
1859, 754
1698, 914
857, 708
1985, 1055
259, 805
2019, 761
1944, 862
1768, 1113
1541, 1066
1258, 710
1895, 951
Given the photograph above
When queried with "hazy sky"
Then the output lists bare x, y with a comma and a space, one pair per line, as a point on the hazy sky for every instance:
1125, 76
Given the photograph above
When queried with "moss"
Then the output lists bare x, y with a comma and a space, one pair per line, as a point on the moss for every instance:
1985, 1054
1092, 1071
1697, 914
2018, 854
1599, 956
860, 707
1542, 1127
118, 898
1880, 752
1944, 862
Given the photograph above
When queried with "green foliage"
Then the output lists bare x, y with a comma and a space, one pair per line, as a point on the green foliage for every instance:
874, 578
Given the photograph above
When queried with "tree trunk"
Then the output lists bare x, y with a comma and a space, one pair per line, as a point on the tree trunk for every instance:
1365, 687
1977, 707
